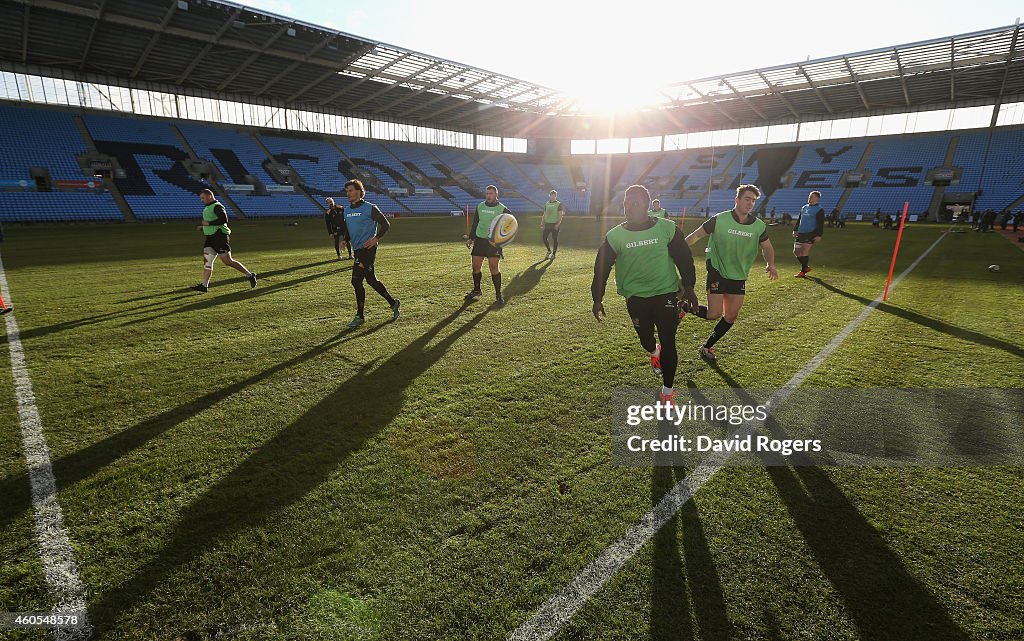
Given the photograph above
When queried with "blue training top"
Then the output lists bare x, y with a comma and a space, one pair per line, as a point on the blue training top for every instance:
360, 223
808, 219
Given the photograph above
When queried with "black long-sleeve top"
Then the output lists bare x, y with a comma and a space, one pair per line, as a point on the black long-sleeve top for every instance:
335, 219
221, 213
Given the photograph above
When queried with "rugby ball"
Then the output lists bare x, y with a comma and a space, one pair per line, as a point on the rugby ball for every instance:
503, 229
993, 268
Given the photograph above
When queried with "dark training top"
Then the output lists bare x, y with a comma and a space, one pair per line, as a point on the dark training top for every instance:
335, 219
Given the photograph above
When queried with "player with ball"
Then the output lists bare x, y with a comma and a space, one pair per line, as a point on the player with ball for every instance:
493, 226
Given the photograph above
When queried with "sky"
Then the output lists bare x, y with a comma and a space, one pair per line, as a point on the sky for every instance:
597, 49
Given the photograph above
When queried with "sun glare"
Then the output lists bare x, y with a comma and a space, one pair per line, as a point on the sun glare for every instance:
613, 90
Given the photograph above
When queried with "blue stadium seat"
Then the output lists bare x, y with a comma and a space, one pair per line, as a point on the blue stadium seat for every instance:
1004, 171
34, 137
421, 179
236, 153
906, 159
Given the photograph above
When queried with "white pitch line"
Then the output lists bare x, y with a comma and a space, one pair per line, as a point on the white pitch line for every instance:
59, 565
567, 602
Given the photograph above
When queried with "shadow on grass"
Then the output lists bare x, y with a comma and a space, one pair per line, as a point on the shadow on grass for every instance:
37, 332
237, 295
291, 464
680, 583
82, 464
164, 307
239, 279
926, 321
299, 458
525, 280
883, 599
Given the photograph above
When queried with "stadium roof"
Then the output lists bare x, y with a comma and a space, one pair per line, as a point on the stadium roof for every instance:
984, 65
230, 49
225, 48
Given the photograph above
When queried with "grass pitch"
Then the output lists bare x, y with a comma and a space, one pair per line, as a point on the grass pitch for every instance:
240, 465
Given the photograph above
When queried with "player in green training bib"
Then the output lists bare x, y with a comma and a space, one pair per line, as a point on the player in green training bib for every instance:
656, 210
482, 247
215, 229
650, 255
551, 222
734, 237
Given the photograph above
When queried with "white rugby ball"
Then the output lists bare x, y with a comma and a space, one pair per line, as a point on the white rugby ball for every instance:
503, 229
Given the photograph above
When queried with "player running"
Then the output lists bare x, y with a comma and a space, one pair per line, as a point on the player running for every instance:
486, 212
733, 239
810, 225
335, 219
215, 228
647, 253
366, 225
554, 212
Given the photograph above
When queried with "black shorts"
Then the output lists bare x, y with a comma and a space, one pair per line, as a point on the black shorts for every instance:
364, 259
550, 228
806, 238
483, 247
660, 311
218, 242
717, 284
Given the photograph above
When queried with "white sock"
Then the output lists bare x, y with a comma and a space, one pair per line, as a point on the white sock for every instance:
206, 282
657, 351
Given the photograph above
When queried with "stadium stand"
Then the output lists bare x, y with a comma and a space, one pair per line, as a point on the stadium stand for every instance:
550, 173
316, 161
469, 165
560, 178
517, 192
50, 140
156, 184
535, 174
30, 206
818, 167
1003, 181
689, 186
660, 178
436, 173
38, 137
461, 161
426, 199
898, 168
970, 157
383, 175
637, 166
406, 178
236, 153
